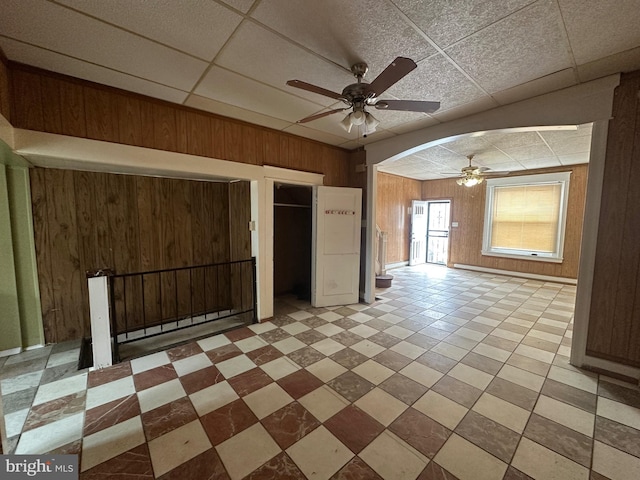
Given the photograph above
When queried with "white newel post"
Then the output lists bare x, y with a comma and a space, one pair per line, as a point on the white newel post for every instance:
98, 285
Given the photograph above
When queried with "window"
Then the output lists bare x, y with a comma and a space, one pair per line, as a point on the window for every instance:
525, 216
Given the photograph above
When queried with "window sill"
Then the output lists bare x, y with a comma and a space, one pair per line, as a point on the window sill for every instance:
523, 257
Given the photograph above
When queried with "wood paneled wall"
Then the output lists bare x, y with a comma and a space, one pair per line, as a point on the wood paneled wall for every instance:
467, 208
5, 102
614, 321
394, 199
54, 103
85, 221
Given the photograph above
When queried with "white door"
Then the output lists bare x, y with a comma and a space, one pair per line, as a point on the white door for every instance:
419, 217
335, 275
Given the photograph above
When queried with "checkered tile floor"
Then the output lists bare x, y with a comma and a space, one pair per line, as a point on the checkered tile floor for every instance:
451, 374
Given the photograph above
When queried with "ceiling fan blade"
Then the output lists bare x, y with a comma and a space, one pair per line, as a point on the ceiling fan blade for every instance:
408, 105
320, 115
315, 89
392, 74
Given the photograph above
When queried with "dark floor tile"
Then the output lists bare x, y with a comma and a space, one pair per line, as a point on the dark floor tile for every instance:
403, 388
59, 372
227, 421
421, 432
310, 337
153, 377
239, 334
485, 364
184, 351
20, 368
597, 476
290, 424
132, 465
489, 435
479, 327
617, 435
18, 400
168, 417
65, 346
356, 469
57, 409
421, 340
433, 471
355, 428
549, 329
220, 354
436, 361
515, 474
560, 439
433, 332
109, 374
375, 312
529, 364
345, 311
281, 319
200, 379
349, 358
299, 383
501, 343
571, 395
206, 466
313, 322
512, 327
384, 339
347, 338
250, 381
457, 391
509, 391
264, 354
73, 448
628, 396
110, 413
346, 323
413, 324
392, 360
351, 386
541, 344
280, 467
275, 335
307, 355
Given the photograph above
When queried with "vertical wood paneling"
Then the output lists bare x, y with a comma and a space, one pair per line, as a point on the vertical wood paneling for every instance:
164, 128
150, 241
52, 109
233, 141
199, 135
5, 92
74, 121
85, 214
27, 100
217, 138
100, 112
129, 120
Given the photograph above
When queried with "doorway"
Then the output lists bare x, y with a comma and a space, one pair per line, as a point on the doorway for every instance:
292, 236
438, 214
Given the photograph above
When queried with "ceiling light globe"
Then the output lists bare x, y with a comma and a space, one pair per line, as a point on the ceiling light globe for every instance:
357, 117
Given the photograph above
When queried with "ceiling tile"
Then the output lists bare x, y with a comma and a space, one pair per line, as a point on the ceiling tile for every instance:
549, 83
506, 141
242, 5
511, 166
346, 32
574, 158
627, 61
88, 39
446, 22
220, 108
234, 89
258, 53
571, 145
468, 145
48, 60
169, 22
436, 79
475, 106
598, 29
314, 134
543, 162
424, 122
528, 153
526, 45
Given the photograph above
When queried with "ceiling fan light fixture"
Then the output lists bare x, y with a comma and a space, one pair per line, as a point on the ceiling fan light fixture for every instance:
357, 117
470, 181
346, 123
371, 122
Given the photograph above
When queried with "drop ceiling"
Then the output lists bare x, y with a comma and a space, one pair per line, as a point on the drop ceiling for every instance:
234, 57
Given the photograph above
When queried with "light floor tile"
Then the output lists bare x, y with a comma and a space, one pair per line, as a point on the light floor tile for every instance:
160, 395
148, 362
251, 343
13, 422
280, 367
289, 345
373, 371
364, 331
257, 447
422, 374
441, 409
60, 388
549, 337
535, 353
267, 400
192, 364
471, 376
319, 454
471, 334
392, 458
619, 412
469, 462
391, 318
235, 366
507, 335
20, 382
295, 328
301, 315
521, 377
615, 464
492, 352
328, 346
213, 342
329, 329
541, 463
111, 441
503, 412
326, 369
382, 406
107, 392
213, 397
565, 414
178, 446
323, 403
399, 332
330, 316
368, 348
451, 351
583, 381
407, 349
51, 436
61, 358
360, 317
263, 327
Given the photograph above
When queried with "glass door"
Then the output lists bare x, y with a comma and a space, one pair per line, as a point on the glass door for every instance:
438, 232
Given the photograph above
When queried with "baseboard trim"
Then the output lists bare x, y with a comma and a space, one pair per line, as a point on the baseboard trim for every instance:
33, 347
391, 266
10, 351
614, 368
533, 276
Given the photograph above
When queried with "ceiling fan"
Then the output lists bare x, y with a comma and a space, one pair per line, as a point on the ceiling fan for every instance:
473, 175
360, 95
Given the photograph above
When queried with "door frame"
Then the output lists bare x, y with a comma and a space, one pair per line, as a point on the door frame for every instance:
451, 210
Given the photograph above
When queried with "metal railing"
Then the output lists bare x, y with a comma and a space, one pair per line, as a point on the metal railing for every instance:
146, 304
